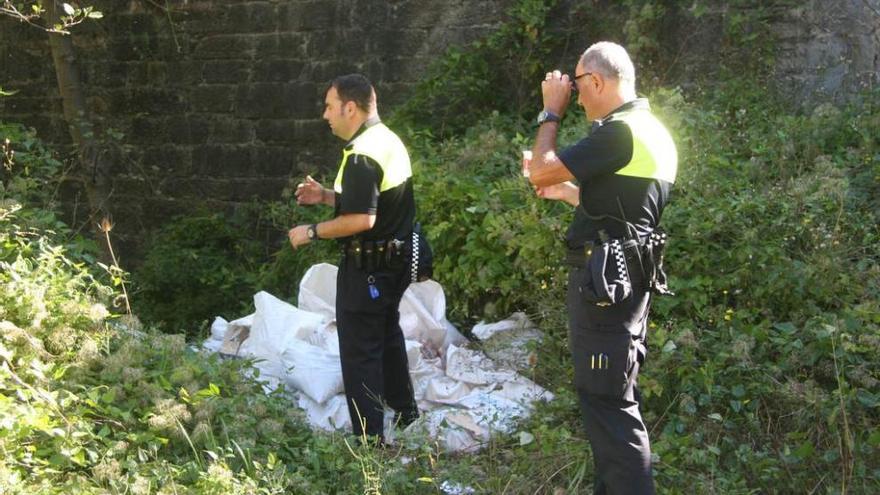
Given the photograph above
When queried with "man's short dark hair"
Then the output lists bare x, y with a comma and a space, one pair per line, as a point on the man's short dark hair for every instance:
356, 88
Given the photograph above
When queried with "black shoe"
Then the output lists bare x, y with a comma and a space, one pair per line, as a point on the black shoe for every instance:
402, 419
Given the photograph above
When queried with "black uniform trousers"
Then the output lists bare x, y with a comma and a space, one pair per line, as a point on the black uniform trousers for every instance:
608, 347
375, 371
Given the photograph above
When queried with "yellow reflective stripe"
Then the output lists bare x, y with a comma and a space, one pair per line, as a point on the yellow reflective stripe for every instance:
386, 149
337, 184
654, 154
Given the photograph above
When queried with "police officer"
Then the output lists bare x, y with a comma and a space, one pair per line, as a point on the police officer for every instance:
624, 169
375, 210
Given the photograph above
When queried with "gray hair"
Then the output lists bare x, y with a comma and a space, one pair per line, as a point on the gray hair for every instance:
612, 61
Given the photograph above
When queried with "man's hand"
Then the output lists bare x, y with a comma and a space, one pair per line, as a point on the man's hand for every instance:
309, 192
299, 236
564, 191
556, 90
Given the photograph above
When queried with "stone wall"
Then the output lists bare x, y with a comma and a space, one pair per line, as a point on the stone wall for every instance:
218, 101
221, 100
829, 49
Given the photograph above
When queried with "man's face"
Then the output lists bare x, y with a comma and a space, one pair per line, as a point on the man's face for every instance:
335, 113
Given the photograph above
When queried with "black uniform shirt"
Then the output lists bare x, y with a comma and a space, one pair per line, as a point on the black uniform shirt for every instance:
593, 161
395, 208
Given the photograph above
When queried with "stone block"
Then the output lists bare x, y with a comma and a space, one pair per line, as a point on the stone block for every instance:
369, 14
314, 131
272, 161
123, 50
184, 187
214, 98
227, 130
254, 17
346, 44
323, 72
278, 70
104, 73
307, 99
283, 45
155, 101
405, 69
127, 24
146, 130
196, 21
311, 15
225, 47
153, 73
161, 160
400, 42
318, 161
223, 160
263, 100
272, 131
180, 130
420, 14
225, 71
132, 186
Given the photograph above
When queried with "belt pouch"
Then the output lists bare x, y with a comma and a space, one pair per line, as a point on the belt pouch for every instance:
369, 259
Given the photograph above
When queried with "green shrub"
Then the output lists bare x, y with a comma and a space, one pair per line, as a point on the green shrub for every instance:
196, 267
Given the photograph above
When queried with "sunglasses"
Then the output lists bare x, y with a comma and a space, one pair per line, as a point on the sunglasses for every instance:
574, 88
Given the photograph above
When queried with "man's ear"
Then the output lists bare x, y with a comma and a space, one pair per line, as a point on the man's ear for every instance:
600, 83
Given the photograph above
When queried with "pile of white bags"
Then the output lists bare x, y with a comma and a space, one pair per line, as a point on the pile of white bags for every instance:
464, 395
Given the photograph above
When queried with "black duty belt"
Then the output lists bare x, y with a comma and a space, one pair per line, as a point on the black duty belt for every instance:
577, 258
373, 254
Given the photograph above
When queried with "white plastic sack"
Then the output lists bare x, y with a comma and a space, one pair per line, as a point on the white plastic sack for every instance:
329, 416
276, 324
218, 328
317, 290
423, 317
484, 331
326, 338
314, 371
474, 367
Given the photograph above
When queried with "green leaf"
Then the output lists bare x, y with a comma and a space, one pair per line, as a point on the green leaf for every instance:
786, 327
874, 439
68, 9
804, 450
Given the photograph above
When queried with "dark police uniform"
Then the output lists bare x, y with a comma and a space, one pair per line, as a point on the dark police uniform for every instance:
625, 168
374, 177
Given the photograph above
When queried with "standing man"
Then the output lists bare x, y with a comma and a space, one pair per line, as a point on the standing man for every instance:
625, 169
375, 211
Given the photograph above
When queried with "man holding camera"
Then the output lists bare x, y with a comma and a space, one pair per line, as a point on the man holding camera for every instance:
625, 169
375, 211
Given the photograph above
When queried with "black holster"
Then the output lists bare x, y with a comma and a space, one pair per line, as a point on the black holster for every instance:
371, 256
614, 268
